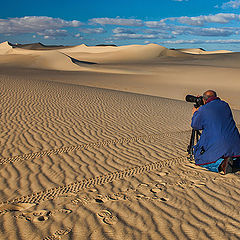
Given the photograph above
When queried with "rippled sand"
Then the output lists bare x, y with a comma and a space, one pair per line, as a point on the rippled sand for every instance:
81, 162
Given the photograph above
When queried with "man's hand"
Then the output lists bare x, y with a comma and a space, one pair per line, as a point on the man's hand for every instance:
194, 110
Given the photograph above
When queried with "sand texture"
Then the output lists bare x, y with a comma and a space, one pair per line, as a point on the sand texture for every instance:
93, 144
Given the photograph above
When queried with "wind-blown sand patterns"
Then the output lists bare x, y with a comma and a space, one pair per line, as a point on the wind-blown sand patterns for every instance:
88, 183
81, 162
90, 145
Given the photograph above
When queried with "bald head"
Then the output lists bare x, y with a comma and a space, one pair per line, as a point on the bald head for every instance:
208, 94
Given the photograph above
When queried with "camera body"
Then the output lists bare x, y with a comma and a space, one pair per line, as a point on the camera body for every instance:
197, 100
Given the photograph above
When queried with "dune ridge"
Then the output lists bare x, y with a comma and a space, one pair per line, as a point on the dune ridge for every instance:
202, 51
5, 48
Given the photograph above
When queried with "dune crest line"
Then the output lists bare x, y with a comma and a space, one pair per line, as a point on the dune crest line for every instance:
86, 146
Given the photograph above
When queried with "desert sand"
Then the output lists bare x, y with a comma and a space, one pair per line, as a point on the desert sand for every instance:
93, 143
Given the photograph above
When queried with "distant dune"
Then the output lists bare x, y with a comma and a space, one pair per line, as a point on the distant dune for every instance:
201, 51
5, 47
149, 69
38, 46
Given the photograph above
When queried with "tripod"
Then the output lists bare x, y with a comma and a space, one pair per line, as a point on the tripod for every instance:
195, 135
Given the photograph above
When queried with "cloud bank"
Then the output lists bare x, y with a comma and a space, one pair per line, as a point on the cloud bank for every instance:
34, 24
231, 4
116, 21
221, 25
221, 18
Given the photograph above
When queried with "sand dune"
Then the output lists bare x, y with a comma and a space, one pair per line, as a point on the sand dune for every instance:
123, 54
93, 149
91, 163
201, 51
38, 46
93, 49
5, 48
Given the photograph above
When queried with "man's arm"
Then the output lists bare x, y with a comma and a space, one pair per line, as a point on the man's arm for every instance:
196, 119
194, 110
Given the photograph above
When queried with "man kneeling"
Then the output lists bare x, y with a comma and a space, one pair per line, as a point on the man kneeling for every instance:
219, 144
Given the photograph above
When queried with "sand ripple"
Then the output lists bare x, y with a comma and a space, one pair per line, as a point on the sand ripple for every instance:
86, 163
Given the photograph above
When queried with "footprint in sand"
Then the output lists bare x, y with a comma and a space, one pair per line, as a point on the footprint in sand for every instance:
92, 190
162, 174
41, 215
58, 234
146, 198
113, 197
143, 185
190, 183
197, 183
11, 207
160, 183
37, 216
99, 198
107, 217
156, 190
164, 199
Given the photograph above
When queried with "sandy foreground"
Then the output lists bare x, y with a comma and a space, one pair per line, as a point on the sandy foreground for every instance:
93, 144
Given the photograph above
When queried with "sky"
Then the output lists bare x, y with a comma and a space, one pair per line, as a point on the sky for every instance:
207, 24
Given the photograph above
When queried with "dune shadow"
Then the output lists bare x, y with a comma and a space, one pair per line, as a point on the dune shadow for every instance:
76, 61
80, 62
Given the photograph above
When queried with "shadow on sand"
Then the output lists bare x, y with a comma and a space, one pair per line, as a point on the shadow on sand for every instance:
236, 165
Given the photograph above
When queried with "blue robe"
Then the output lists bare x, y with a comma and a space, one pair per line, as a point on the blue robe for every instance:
220, 136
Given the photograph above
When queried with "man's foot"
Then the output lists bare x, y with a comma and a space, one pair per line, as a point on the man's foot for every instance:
226, 165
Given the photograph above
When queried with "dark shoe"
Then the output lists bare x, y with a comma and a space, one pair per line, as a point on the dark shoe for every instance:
226, 165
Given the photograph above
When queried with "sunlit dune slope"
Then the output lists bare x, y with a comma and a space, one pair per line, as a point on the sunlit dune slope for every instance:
123, 54
201, 51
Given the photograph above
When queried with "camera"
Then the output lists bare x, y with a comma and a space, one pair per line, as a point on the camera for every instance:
197, 100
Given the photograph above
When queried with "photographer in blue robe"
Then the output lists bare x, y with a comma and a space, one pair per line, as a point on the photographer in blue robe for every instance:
219, 144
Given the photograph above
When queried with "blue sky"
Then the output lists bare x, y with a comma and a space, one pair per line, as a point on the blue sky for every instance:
207, 24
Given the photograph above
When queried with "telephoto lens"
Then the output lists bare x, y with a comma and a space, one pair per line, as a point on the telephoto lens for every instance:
191, 98
197, 100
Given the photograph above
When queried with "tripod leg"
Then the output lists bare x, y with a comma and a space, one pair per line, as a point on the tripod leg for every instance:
190, 146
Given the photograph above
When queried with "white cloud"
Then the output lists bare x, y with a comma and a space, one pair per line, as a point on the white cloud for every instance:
171, 31
223, 41
157, 31
160, 27
215, 32
139, 33
78, 35
156, 24
53, 33
92, 30
134, 36
203, 19
116, 21
34, 24
123, 30
196, 41
231, 4
127, 29
125, 36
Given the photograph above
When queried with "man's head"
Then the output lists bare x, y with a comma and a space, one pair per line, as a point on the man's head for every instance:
208, 94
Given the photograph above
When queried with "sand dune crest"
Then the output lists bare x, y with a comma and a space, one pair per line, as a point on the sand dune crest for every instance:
5, 47
201, 51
